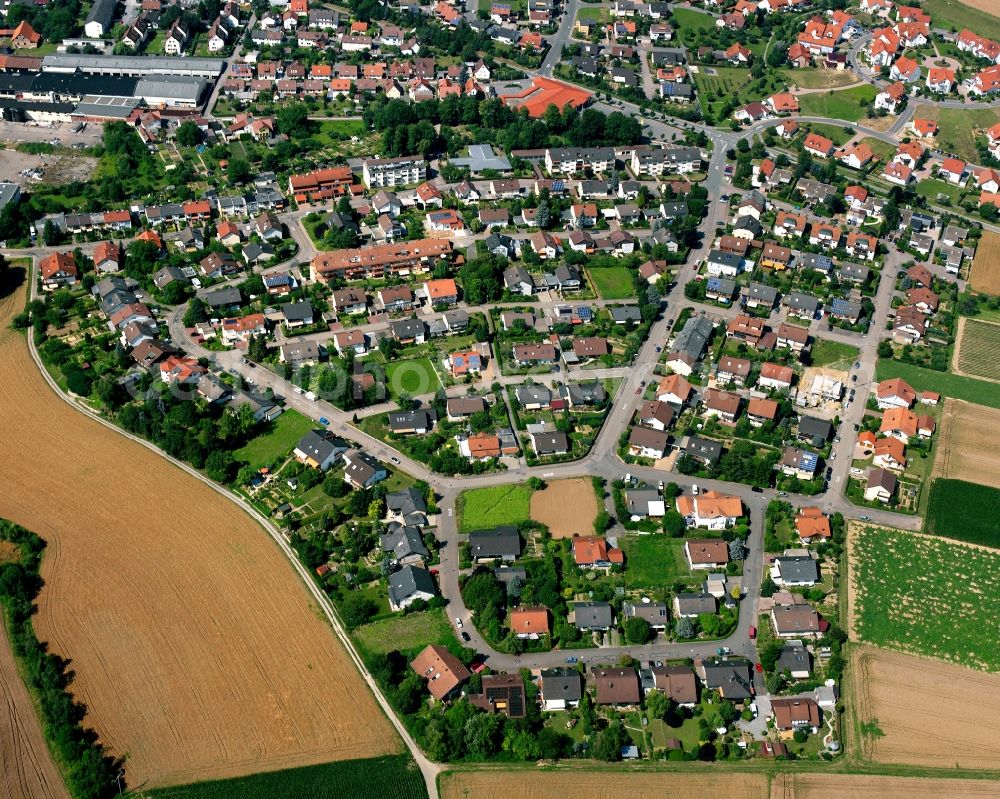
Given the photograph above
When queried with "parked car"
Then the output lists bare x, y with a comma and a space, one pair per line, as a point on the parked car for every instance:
394, 460
458, 622
466, 637
324, 420
753, 633
571, 660
759, 668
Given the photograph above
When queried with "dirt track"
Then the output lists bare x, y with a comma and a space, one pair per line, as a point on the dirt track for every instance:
567, 507
26, 767
195, 648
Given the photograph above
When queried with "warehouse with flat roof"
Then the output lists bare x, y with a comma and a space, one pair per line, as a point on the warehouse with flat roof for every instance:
139, 66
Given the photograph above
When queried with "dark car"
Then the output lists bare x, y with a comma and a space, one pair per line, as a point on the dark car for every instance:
465, 637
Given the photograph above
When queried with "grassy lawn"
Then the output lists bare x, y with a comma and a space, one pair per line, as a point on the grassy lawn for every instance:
394, 776
833, 353
978, 392
847, 104
813, 78
952, 13
406, 633
593, 15
958, 126
613, 283
932, 187
333, 130
834, 133
283, 434
686, 19
485, 508
966, 511
416, 376
927, 596
654, 561
882, 149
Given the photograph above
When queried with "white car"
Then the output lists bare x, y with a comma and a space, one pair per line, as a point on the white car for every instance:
458, 622
694, 489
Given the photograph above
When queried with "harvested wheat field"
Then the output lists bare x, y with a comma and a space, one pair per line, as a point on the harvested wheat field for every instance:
969, 443
567, 507
932, 714
584, 784
985, 275
863, 786
26, 767
989, 6
195, 647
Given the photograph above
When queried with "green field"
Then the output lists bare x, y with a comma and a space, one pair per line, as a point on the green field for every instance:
403, 633
485, 508
278, 441
954, 14
833, 354
882, 149
685, 19
957, 127
612, 283
966, 511
714, 89
392, 777
834, 133
415, 376
932, 187
654, 561
847, 104
978, 349
926, 596
969, 389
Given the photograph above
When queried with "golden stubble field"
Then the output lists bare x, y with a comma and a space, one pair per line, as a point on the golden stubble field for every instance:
587, 784
930, 714
837, 786
568, 507
969, 443
985, 275
195, 647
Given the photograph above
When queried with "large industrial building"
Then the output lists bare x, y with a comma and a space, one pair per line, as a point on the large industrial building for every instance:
95, 87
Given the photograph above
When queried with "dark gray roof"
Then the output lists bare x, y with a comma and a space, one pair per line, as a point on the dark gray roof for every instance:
562, 683
408, 581
407, 328
410, 420
690, 604
502, 542
794, 658
625, 313
321, 445
693, 337
404, 542
584, 393
762, 293
731, 676
811, 427
593, 615
405, 502
703, 449
300, 311
797, 569
531, 395
230, 295
801, 302
548, 443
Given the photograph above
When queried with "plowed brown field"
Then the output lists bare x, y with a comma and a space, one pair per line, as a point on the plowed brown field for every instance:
568, 507
196, 649
585, 784
969, 443
26, 767
837, 786
931, 714
985, 274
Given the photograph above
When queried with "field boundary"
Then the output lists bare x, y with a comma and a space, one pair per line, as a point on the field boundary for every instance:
427, 767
